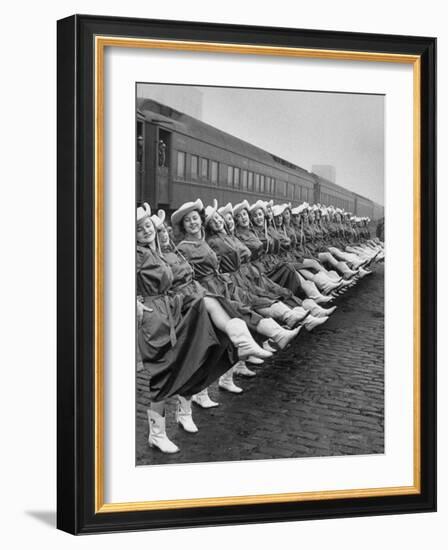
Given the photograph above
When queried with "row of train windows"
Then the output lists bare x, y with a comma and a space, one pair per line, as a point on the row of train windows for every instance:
247, 180
337, 202
202, 169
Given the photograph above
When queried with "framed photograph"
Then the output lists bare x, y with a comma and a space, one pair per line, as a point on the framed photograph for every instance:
246, 274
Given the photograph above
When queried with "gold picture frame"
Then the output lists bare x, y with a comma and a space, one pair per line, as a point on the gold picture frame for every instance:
85, 65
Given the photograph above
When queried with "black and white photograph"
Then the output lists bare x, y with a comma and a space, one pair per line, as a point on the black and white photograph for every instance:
260, 263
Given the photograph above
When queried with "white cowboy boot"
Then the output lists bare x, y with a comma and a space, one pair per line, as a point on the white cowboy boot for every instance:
241, 338
281, 336
301, 311
157, 434
324, 283
343, 268
363, 272
313, 322
184, 416
257, 360
284, 314
268, 347
241, 369
316, 310
203, 400
312, 291
226, 382
334, 276
294, 318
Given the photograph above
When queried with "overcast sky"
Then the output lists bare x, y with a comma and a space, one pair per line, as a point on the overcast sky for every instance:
306, 128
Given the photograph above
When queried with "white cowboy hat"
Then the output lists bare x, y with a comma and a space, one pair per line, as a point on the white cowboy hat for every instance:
241, 206
158, 219
210, 211
186, 208
227, 209
278, 209
143, 211
299, 209
259, 204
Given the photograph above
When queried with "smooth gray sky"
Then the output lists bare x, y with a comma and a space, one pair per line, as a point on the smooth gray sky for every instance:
306, 128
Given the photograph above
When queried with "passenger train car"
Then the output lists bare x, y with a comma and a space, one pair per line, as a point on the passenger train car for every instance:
179, 158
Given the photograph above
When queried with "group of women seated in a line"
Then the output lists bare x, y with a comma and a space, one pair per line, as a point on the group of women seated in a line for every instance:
223, 288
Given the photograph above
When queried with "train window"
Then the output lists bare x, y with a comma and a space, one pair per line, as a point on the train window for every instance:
236, 177
262, 180
139, 148
180, 164
230, 176
290, 191
257, 183
214, 172
250, 181
204, 169
281, 188
244, 179
297, 193
272, 186
194, 167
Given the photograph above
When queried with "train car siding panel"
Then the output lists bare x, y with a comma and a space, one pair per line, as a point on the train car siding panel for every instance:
237, 177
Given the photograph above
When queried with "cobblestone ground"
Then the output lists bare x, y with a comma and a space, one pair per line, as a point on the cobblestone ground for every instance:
324, 396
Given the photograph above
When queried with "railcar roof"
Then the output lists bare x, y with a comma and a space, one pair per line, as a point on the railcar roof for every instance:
170, 118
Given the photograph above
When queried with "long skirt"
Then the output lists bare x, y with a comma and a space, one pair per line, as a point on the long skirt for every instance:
283, 273
231, 298
249, 293
255, 274
179, 345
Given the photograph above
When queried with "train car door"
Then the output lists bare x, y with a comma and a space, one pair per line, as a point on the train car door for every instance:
153, 172
148, 176
163, 167
139, 161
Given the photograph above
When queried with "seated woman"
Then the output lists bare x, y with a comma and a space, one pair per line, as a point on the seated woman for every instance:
177, 340
298, 215
338, 245
314, 239
307, 268
276, 268
365, 246
289, 308
218, 307
233, 259
260, 244
189, 219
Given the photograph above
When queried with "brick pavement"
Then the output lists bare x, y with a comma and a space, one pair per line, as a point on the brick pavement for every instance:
324, 396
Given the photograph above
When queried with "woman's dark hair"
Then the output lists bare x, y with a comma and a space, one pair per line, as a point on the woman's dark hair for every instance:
236, 217
180, 228
209, 232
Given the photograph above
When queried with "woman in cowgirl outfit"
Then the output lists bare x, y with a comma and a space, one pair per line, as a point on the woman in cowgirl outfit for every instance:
177, 339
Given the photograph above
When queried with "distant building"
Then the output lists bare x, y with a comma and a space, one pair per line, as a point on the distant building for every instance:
326, 171
189, 103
